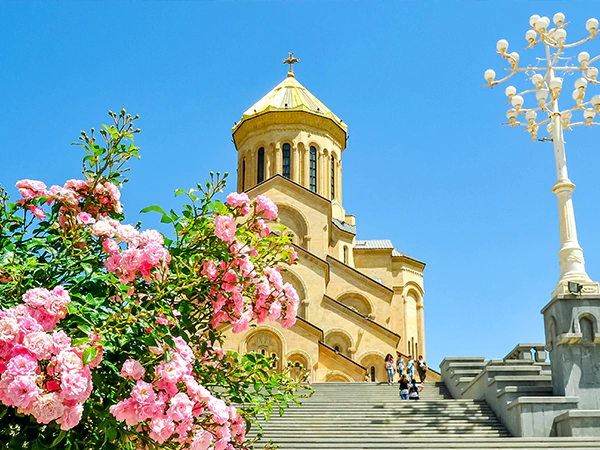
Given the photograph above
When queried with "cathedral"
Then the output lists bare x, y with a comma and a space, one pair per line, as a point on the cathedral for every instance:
360, 299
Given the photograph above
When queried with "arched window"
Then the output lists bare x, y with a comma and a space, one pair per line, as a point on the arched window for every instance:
337, 348
372, 373
313, 169
332, 177
345, 255
274, 360
587, 329
260, 170
286, 161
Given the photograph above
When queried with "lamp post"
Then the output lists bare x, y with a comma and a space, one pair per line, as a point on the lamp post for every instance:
547, 79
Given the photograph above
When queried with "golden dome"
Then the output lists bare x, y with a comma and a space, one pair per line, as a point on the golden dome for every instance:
290, 95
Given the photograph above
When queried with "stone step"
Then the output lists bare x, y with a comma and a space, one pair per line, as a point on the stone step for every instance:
453, 443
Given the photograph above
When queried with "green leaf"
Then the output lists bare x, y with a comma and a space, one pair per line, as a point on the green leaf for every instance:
86, 329
89, 354
154, 208
80, 341
59, 438
111, 434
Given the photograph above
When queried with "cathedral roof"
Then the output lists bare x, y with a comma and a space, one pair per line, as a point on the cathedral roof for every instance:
368, 244
290, 95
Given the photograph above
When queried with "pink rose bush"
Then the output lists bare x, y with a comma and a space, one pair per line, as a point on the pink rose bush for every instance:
176, 408
272, 298
41, 373
110, 334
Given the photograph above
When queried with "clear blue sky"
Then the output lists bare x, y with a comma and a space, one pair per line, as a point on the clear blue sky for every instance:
428, 163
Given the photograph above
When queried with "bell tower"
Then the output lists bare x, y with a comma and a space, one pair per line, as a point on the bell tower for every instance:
291, 133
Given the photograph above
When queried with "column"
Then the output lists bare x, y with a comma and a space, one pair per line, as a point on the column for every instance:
295, 172
306, 168
421, 328
277, 159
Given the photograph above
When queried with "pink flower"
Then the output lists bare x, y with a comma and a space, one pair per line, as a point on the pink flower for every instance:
132, 369
40, 344
125, 411
151, 237
103, 228
61, 340
110, 246
225, 228
180, 408
265, 204
22, 364
274, 277
75, 385
57, 303
23, 390
68, 360
47, 407
174, 370
238, 200
275, 310
70, 417
161, 429
202, 440
37, 212
34, 185
9, 328
37, 297
143, 392
127, 233
84, 218
210, 270
184, 350
219, 410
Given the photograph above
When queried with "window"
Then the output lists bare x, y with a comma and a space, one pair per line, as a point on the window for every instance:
587, 329
286, 160
372, 373
345, 255
337, 348
313, 169
261, 165
274, 360
332, 177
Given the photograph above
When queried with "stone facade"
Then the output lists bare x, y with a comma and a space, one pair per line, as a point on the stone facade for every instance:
360, 299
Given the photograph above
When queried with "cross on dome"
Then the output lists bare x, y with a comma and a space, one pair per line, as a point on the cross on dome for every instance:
291, 60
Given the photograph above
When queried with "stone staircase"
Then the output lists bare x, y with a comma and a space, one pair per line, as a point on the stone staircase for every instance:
360, 416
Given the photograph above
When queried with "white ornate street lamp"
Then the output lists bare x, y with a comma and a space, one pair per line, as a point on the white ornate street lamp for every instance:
547, 78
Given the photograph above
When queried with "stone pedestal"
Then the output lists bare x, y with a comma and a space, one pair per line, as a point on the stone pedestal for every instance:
572, 338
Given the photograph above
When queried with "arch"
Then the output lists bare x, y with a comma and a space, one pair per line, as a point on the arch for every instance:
413, 286
267, 341
313, 171
337, 376
357, 301
286, 160
588, 326
296, 221
289, 276
340, 340
297, 358
260, 165
332, 175
374, 360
